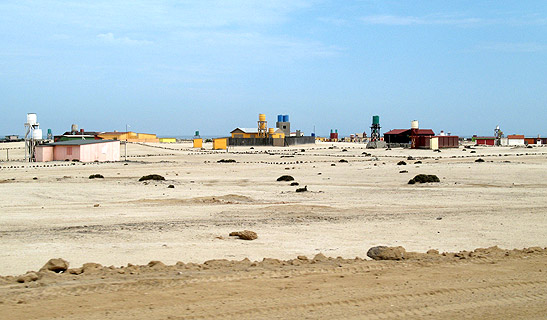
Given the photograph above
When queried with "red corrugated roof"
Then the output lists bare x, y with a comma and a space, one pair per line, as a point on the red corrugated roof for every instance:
396, 131
515, 136
425, 132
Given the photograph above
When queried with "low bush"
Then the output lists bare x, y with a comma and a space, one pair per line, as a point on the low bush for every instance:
285, 178
424, 178
151, 177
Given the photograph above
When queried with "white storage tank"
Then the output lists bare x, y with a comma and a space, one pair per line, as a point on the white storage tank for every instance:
37, 134
414, 124
31, 118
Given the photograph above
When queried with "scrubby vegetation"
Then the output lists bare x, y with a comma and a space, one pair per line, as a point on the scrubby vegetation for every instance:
152, 177
424, 178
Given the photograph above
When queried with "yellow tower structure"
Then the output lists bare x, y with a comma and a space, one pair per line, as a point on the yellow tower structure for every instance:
262, 126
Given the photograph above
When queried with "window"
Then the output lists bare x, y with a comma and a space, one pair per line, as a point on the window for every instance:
69, 151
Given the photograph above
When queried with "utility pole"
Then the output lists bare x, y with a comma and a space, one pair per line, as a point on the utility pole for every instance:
126, 133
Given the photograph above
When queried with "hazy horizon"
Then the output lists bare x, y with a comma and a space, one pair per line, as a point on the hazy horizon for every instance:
174, 68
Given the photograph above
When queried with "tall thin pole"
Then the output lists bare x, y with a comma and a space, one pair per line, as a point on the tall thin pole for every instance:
126, 133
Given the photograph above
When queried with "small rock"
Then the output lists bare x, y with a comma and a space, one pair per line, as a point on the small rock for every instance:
386, 253
320, 257
294, 183
401, 163
156, 264
171, 186
91, 266
244, 235
96, 205
75, 271
27, 277
56, 265
479, 160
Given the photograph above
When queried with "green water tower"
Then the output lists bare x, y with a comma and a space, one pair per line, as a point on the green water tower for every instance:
375, 120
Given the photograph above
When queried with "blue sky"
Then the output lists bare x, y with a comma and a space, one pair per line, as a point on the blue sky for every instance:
173, 67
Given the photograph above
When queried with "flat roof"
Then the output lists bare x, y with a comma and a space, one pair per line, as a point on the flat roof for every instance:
77, 142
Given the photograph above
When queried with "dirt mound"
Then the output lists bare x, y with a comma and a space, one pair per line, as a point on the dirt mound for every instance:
244, 235
152, 177
424, 178
285, 178
226, 199
386, 253
55, 265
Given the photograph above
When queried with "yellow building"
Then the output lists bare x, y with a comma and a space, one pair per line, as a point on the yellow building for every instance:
168, 140
129, 136
220, 144
198, 143
253, 133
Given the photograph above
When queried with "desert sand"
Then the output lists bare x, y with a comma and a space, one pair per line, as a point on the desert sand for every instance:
53, 210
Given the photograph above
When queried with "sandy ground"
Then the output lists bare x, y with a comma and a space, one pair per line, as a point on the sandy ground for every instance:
50, 210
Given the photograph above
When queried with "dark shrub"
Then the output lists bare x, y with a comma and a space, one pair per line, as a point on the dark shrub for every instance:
96, 176
226, 161
151, 177
285, 178
424, 178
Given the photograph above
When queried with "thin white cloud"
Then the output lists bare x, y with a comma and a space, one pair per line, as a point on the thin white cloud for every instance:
110, 38
411, 20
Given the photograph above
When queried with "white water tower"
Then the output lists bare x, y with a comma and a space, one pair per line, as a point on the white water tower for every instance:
33, 134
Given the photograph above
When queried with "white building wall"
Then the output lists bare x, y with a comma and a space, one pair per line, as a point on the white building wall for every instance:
515, 142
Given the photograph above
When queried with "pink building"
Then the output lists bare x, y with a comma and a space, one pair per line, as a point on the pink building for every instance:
81, 150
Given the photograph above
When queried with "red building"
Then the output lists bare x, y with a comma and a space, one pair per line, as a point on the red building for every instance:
404, 135
484, 141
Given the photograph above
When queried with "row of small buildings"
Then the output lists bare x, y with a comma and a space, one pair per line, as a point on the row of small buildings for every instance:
129, 136
510, 140
90, 146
